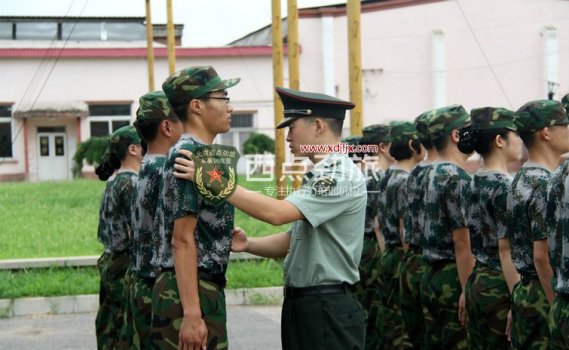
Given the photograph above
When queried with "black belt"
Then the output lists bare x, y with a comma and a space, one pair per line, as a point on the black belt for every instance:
415, 248
393, 245
343, 288
528, 278
369, 234
215, 278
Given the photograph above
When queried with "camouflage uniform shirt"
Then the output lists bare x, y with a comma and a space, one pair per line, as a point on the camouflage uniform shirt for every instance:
145, 235
115, 213
373, 179
487, 216
394, 194
414, 221
526, 215
446, 199
558, 227
180, 198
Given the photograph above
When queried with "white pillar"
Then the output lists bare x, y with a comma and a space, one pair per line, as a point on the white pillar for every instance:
328, 62
550, 57
438, 68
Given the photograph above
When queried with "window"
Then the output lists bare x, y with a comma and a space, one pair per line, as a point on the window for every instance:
105, 119
241, 129
5, 131
36, 31
81, 31
5, 31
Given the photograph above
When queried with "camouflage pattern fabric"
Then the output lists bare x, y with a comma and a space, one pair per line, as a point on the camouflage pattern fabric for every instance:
167, 312
121, 139
440, 291
414, 220
145, 235
530, 311
413, 266
110, 316
376, 133
444, 120
536, 115
393, 192
115, 218
127, 331
402, 131
488, 118
488, 304
141, 312
559, 323
487, 218
154, 105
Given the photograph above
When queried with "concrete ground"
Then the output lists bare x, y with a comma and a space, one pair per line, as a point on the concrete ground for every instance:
250, 327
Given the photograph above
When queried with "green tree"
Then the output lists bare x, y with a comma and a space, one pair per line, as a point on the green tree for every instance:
91, 151
258, 144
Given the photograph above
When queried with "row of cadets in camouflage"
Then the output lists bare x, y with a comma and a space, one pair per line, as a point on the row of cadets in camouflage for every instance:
542, 126
119, 168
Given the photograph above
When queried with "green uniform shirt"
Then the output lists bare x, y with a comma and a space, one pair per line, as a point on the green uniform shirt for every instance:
393, 193
115, 212
326, 247
558, 227
180, 198
373, 179
526, 214
145, 235
446, 203
487, 216
414, 220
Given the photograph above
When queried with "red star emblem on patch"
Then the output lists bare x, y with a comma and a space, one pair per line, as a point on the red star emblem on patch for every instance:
215, 174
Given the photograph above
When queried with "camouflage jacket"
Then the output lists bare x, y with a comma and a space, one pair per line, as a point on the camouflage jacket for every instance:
145, 235
446, 200
394, 186
526, 215
115, 212
180, 198
373, 179
414, 219
557, 217
487, 216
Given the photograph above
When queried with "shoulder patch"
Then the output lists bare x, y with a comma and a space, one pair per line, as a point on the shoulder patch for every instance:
322, 185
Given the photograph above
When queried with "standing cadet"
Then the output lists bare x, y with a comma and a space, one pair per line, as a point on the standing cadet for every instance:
407, 151
124, 154
447, 243
542, 125
367, 289
494, 137
413, 265
188, 300
160, 129
558, 229
324, 245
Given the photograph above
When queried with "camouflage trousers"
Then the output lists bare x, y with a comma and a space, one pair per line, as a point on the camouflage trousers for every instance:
559, 322
167, 312
394, 336
141, 302
440, 292
367, 289
530, 314
412, 269
126, 332
487, 307
110, 316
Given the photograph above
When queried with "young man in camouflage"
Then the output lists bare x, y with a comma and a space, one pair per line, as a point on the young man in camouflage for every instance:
447, 243
188, 301
413, 265
160, 129
542, 126
407, 151
557, 218
367, 289
493, 136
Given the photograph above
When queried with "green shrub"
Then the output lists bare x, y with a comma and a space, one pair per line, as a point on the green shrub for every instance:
91, 151
258, 144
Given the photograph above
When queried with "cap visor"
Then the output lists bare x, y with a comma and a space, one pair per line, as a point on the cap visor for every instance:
286, 122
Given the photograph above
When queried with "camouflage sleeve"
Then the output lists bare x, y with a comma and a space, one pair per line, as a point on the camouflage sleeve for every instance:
456, 194
402, 202
555, 192
500, 209
127, 198
183, 193
537, 211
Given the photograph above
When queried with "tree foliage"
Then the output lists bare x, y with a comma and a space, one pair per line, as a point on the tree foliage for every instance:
259, 144
90, 151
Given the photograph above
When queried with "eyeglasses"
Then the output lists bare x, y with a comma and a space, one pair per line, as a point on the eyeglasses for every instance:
226, 99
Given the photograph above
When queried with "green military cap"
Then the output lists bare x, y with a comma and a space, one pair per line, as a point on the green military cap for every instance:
422, 125
154, 105
446, 119
353, 140
402, 132
488, 118
536, 115
376, 133
122, 138
299, 104
194, 82
565, 103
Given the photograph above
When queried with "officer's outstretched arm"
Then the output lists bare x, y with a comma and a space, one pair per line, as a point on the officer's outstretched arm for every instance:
274, 246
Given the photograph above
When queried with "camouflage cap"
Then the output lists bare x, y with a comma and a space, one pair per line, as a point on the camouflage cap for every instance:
488, 118
194, 82
353, 140
376, 133
422, 125
536, 115
402, 132
565, 103
122, 138
446, 119
154, 105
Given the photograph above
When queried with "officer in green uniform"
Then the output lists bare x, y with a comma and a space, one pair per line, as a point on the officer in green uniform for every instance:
542, 125
188, 300
447, 243
407, 151
493, 136
413, 265
160, 129
557, 217
124, 154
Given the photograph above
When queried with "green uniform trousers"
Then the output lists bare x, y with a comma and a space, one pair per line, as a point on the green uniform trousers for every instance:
559, 322
141, 312
412, 269
530, 315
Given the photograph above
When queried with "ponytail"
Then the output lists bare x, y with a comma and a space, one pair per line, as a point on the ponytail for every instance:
109, 164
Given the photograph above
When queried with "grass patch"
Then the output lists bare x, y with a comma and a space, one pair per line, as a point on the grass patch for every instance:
51, 219
254, 274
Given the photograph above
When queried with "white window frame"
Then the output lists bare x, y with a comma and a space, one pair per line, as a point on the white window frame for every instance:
235, 130
109, 118
8, 120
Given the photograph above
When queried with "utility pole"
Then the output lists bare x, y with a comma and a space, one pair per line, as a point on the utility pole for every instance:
278, 81
171, 39
149, 47
293, 66
355, 66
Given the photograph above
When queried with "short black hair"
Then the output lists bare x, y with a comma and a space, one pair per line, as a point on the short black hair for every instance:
528, 137
441, 143
402, 151
427, 143
335, 125
148, 128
